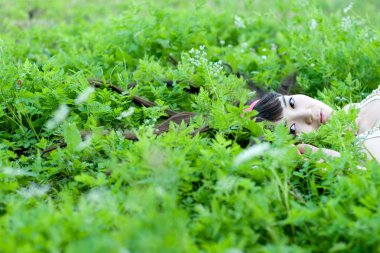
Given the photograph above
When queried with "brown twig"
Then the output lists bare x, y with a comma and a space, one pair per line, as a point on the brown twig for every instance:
54, 147
137, 100
172, 60
161, 128
164, 126
176, 118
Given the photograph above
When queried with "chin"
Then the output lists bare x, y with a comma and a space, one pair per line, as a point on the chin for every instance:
325, 114
329, 112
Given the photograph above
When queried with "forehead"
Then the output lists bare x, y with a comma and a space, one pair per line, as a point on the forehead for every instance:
299, 99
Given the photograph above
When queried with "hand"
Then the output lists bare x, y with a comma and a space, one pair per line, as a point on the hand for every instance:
302, 149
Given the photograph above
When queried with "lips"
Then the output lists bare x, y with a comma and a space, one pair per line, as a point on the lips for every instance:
322, 117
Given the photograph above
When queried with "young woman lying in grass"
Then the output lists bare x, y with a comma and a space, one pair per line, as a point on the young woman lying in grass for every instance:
303, 114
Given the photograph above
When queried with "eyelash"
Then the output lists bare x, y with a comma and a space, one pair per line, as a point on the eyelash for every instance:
291, 102
292, 128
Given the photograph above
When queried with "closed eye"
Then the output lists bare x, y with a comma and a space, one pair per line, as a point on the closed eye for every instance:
292, 129
291, 102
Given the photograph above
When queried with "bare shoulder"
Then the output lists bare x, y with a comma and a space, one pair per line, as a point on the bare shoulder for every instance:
372, 148
349, 106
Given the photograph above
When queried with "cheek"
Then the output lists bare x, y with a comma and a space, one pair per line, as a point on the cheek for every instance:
325, 107
304, 128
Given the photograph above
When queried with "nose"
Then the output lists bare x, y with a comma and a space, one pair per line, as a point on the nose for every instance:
309, 117
305, 115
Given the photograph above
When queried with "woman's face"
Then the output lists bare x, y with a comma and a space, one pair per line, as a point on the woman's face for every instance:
303, 114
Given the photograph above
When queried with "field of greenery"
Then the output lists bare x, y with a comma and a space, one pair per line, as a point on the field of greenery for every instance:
84, 86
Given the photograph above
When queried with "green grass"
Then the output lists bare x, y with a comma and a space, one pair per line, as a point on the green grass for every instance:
175, 192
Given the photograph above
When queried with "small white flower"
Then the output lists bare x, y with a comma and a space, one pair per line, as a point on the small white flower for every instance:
84, 95
125, 114
222, 42
214, 68
346, 23
348, 8
264, 57
239, 23
33, 190
251, 152
244, 45
59, 116
198, 56
313, 24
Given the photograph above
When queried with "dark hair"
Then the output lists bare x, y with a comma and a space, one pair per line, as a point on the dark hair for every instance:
269, 108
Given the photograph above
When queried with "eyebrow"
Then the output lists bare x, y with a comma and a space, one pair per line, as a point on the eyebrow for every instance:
283, 99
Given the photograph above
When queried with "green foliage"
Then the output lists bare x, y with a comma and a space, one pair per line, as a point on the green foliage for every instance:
174, 192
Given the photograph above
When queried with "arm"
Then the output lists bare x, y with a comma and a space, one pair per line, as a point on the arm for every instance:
329, 152
371, 147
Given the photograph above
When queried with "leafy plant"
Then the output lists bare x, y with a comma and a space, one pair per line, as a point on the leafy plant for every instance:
70, 181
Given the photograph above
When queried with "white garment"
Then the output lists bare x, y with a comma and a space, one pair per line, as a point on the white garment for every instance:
375, 131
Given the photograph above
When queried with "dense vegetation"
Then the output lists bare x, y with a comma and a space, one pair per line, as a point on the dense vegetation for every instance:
182, 191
